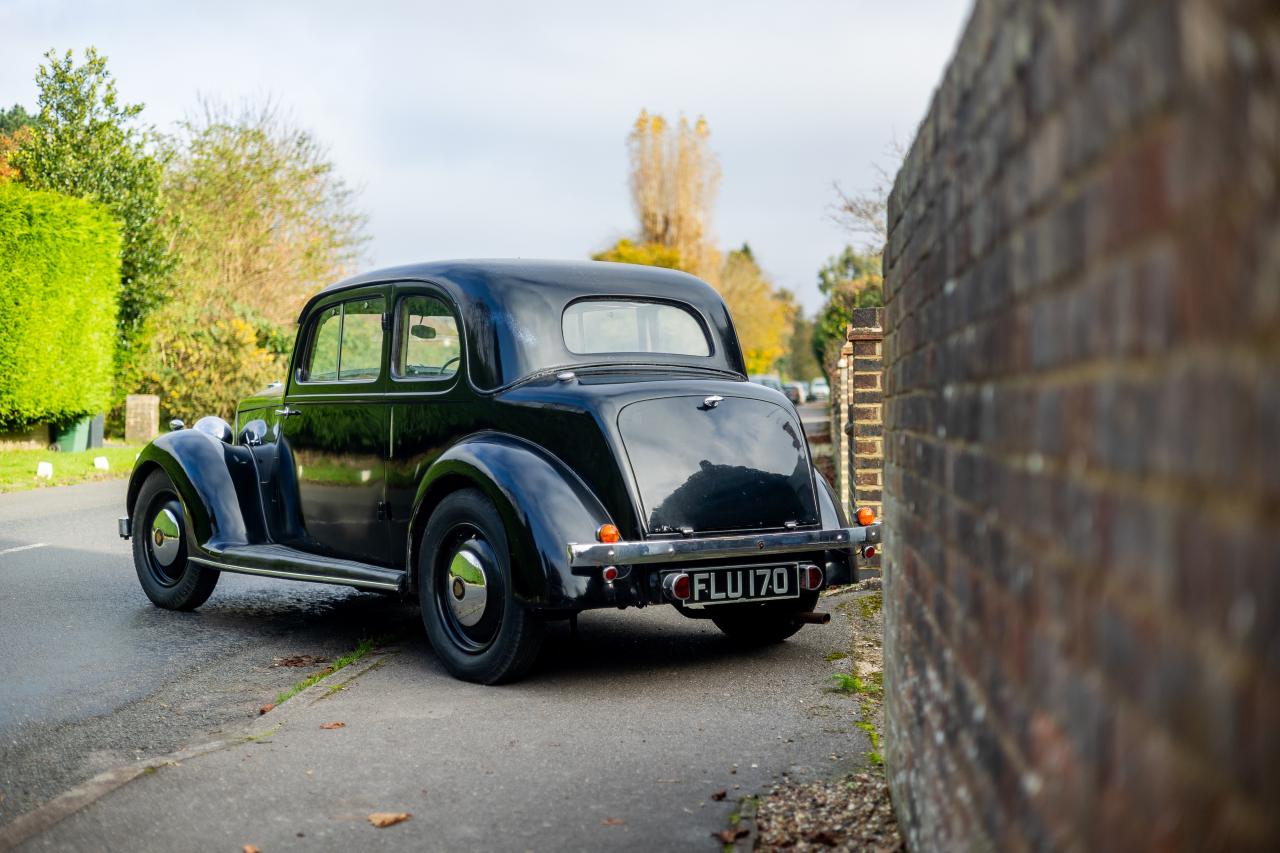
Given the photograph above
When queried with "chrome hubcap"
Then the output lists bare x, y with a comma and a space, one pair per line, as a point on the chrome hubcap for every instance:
468, 586
166, 536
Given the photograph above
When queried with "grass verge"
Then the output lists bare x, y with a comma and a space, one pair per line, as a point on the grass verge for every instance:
18, 467
362, 649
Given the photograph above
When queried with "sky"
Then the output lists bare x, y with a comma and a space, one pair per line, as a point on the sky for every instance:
498, 129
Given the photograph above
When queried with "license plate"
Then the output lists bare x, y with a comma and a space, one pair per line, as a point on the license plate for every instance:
743, 583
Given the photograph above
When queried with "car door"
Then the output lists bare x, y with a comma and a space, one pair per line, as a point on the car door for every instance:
430, 406
335, 425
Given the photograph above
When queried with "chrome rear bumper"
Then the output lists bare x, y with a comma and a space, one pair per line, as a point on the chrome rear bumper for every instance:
714, 547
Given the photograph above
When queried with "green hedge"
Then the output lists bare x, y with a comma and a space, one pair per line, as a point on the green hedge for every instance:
59, 285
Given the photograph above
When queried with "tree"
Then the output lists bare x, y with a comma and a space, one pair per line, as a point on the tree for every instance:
800, 361
849, 280
649, 254
760, 315
261, 221
864, 214
261, 218
674, 178
85, 143
14, 118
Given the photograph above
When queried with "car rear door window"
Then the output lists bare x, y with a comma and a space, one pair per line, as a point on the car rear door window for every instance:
429, 345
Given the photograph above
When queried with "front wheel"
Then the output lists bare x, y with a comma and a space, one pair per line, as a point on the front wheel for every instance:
160, 548
765, 623
476, 626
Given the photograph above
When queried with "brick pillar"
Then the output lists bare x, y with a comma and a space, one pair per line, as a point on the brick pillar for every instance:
840, 421
866, 423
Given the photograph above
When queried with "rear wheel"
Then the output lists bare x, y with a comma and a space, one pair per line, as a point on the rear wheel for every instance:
160, 556
478, 629
765, 623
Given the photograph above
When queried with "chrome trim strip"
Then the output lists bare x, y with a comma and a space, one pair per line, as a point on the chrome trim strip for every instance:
292, 576
672, 550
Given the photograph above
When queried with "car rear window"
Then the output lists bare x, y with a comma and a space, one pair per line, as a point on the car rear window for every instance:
593, 326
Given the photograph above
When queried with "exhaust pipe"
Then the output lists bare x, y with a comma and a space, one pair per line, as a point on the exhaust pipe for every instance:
814, 618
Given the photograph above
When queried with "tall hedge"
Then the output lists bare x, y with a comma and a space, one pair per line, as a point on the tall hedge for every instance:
59, 284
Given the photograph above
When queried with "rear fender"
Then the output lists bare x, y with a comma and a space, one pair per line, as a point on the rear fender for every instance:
840, 567
216, 481
543, 505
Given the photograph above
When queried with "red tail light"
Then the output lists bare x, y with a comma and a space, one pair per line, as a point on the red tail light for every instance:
869, 551
810, 577
610, 573
677, 586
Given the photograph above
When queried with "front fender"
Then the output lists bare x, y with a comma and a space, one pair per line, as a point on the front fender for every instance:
544, 505
206, 473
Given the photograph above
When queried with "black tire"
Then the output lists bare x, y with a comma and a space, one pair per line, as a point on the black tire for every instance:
477, 628
167, 576
763, 624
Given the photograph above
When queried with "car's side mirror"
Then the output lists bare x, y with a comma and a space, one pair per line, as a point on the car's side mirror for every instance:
423, 332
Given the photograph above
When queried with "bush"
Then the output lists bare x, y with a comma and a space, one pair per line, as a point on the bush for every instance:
59, 283
203, 362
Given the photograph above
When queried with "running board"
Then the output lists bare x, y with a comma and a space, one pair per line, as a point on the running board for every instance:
280, 561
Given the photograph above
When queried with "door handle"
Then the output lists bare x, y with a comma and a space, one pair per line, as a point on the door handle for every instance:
286, 412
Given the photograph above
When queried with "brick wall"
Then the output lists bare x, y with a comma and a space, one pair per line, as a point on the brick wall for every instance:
1082, 412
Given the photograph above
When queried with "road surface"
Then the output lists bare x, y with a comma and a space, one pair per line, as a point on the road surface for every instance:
616, 740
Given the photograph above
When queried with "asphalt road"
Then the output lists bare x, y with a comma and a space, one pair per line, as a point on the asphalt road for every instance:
615, 741
92, 675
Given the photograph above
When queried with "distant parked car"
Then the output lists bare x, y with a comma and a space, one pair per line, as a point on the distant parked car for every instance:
509, 442
819, 390
768, 380
793, 392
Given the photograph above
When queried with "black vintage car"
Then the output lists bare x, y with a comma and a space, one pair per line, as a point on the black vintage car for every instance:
513, 442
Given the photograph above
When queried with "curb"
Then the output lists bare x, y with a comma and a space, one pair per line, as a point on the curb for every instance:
45, 817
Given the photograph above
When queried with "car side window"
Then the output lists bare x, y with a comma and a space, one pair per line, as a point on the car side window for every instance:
361, 339
323, 364
347, 342
429, 346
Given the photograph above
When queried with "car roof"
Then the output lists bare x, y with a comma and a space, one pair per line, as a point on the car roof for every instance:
511, 308
481, 278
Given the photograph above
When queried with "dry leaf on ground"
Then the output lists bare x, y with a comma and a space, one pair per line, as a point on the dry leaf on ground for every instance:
265, 708
333, 725
613, 821
719, 795
250, 848
385, 819
728, 836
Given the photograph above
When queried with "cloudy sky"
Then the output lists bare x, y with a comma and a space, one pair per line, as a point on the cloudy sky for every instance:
488, 129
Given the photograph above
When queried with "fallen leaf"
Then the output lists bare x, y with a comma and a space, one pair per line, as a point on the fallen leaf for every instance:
385, 819
250, 848
333, 725
719, 795
728, 836
265, 708
613, 821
